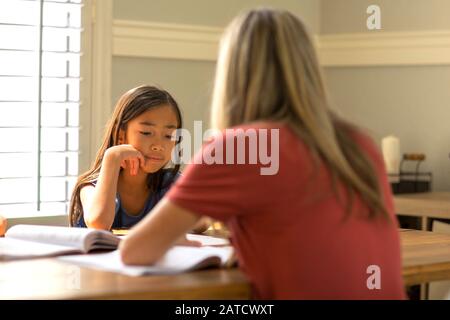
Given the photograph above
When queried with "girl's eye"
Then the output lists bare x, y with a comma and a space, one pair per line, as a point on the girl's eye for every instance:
145, 133
169, 137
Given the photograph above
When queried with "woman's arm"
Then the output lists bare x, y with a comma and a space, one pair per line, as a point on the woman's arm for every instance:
156, 233
99, 201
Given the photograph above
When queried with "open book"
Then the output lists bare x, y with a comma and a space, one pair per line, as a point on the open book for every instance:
178, 259
32, 241
203, 239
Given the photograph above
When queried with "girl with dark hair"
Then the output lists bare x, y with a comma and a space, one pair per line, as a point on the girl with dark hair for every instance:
130, 173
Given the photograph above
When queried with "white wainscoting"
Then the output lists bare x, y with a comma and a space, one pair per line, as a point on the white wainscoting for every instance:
166, 41
385, 49
193, 42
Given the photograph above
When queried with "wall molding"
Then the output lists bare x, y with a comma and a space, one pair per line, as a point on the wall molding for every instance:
165, 40
200, 43
96, 75
385, 49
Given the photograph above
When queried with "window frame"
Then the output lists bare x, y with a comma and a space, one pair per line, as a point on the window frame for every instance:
95, 95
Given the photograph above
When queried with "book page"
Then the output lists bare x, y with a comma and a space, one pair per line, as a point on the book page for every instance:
102, 239
177, 259
79, 238
12, 249
203, 239
183, 258
208, 240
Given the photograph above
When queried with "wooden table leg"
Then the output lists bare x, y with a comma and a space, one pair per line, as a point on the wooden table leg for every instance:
424, 223
424, 286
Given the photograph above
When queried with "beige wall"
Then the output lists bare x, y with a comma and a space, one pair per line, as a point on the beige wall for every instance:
190, 82
412, 102
342, 16
208, 12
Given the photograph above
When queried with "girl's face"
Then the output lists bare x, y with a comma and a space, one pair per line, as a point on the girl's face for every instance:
151, 133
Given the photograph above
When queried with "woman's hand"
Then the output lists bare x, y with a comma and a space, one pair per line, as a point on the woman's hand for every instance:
126, 156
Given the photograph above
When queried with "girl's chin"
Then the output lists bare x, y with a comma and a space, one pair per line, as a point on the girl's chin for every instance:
151, 168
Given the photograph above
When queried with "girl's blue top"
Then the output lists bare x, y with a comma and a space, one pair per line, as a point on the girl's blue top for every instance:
123, 220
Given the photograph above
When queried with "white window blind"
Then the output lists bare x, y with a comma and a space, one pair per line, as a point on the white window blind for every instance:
39, 104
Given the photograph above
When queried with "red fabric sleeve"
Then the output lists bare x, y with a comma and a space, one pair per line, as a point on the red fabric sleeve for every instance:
209, 189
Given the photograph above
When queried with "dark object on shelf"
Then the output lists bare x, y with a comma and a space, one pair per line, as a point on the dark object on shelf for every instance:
411, 181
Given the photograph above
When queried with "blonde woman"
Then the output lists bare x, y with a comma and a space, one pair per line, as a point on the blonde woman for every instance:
321, 226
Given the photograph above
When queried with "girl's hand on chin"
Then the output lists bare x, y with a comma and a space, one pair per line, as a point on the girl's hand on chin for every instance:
127, 156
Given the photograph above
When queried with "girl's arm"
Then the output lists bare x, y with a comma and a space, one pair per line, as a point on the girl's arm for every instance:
99, 201
156, 233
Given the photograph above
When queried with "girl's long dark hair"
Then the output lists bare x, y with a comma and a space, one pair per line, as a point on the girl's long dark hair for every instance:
130, 105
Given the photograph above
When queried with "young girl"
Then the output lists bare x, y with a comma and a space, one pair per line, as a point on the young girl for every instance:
323, 226
129, 175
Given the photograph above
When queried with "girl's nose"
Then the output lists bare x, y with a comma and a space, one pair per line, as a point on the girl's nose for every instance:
156, 147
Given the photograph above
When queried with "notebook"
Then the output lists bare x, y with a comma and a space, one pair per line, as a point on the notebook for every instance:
33, 241
178, 259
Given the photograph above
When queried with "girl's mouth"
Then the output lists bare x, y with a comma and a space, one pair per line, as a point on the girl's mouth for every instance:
154, 159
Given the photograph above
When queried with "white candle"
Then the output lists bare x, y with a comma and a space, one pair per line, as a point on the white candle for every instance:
390, 147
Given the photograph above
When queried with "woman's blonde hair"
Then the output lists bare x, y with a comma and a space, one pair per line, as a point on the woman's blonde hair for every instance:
268, 70
130, 105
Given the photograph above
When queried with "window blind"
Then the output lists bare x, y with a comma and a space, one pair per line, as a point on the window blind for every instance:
39, 104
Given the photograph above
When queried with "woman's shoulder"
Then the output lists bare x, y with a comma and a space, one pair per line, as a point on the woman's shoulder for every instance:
261, 124
366, 142
271, 129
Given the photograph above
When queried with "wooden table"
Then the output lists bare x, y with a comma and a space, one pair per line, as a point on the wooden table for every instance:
425, 256
51, 279
426, 206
